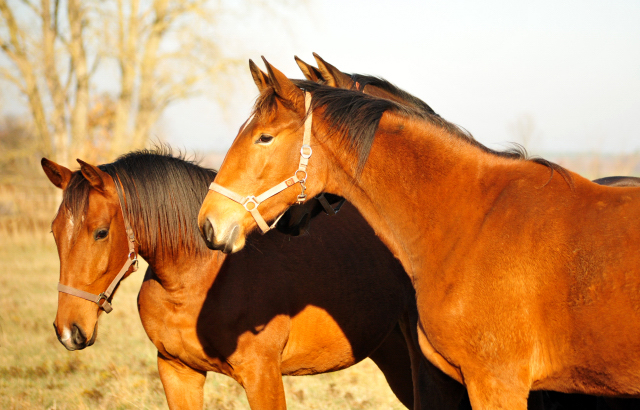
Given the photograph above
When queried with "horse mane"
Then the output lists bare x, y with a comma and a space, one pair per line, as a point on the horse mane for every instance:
356, 117
163, 193
392, 89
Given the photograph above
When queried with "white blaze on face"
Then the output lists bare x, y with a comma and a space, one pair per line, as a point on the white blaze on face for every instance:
70, 225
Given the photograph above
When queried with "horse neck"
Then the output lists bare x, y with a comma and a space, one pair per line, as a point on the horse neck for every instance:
177, 269
417, 184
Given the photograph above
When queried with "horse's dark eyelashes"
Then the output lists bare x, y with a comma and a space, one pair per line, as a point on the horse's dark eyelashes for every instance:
264, 139
100, 234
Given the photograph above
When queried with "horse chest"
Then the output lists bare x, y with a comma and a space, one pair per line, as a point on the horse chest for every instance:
171, 327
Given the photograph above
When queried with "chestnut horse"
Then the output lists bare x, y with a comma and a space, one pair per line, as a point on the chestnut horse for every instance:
526, 275
297, 218
252, 316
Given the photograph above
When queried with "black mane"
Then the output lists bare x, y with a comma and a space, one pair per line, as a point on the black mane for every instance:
163, 196
363, 80
356, 117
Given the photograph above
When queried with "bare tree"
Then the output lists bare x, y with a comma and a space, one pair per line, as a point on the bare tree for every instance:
155, 51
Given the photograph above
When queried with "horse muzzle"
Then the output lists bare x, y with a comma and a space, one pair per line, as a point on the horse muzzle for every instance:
231, 240
75, 338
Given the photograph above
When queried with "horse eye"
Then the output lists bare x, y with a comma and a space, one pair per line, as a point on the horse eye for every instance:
100, 234
264, 139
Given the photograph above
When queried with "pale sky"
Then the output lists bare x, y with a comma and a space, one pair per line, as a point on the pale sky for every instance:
573, 67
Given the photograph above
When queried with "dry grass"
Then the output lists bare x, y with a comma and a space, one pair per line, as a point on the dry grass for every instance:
119, 371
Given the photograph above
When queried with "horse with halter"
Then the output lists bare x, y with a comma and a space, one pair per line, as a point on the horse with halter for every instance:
526, 275
252, 316
298, 217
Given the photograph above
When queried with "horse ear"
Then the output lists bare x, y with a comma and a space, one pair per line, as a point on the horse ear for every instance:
96, 177
310, 72
57, 174
283, 87
333, 76
259, 77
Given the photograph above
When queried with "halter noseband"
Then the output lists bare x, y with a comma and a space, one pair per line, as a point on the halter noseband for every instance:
132, 259
251, 202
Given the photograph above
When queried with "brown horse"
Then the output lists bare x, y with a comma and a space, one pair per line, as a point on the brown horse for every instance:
296, 220
526, 275
281, 307
298, 217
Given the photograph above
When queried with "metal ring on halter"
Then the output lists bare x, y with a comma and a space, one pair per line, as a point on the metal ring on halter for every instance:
250, 200
302, 154
302, 180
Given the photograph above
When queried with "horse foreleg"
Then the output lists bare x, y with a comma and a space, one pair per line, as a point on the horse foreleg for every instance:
487, 392
433, 390
395, 361
183, 385
262, 381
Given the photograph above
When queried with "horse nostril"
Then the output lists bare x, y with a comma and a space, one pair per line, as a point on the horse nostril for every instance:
207, 233
78, 338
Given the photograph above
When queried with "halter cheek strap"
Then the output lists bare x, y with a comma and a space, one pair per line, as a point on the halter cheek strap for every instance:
132, 259
252, 202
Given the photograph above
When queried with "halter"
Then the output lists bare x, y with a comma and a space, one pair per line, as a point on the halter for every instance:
328, 208
251, 202
132, 259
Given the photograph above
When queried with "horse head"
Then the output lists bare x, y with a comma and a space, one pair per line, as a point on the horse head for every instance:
92, 241
247, 193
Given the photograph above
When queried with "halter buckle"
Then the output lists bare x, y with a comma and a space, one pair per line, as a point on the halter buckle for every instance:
106, 306
134, 260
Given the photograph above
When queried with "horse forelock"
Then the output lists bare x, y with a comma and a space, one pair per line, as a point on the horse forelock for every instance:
75, 199
162, 194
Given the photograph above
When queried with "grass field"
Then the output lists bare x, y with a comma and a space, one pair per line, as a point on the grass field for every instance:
119, 370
